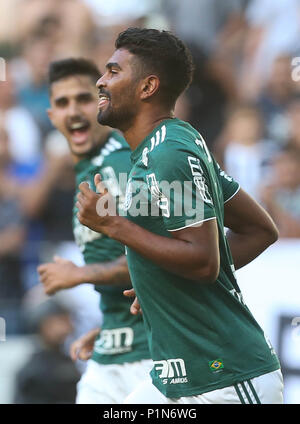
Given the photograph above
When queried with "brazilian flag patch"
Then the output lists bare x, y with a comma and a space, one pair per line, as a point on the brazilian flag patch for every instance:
216, 365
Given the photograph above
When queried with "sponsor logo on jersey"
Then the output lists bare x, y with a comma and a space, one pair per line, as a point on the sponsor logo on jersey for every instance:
114, 341
171, 371
216, 365
199, 179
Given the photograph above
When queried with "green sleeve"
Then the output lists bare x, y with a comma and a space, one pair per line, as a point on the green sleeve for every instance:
182, 190
229, 186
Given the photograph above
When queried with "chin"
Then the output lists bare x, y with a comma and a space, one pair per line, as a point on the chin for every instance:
103, 120
81, 150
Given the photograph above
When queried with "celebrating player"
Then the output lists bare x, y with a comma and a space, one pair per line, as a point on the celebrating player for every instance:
206, 345
120, 356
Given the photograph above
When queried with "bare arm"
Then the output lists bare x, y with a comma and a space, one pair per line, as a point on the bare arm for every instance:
192, 252
251, 229
82, 348
107, 273
64, 274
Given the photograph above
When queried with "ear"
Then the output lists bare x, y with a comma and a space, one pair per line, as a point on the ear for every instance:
149, 86
49, 113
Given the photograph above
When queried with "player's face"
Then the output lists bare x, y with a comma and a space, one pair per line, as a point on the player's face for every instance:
118, 94
74, 112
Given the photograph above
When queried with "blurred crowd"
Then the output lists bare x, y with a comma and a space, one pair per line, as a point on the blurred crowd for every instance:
244, 100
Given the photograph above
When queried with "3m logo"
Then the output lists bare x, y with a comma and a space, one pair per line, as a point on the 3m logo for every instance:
173, 369
199, 180
117, 340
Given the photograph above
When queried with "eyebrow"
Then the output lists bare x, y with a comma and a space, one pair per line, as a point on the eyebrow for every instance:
113, 65
59, 99
83, 93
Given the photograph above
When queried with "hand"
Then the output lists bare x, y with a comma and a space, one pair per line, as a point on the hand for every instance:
82, 348
62, 274
96, 211
135, 308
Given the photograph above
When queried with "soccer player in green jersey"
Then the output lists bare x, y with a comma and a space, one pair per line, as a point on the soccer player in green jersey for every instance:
206, 345
120, 356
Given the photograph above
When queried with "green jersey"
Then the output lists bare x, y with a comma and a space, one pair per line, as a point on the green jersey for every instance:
202, 337
122, 338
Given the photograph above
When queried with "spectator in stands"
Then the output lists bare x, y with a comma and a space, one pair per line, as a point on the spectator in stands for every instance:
276, 94
38, 189
273, 30
293, 119
24, 136
12, 236
75, 19
47, 202
282, 195
246, 153
49, 376
205, 102
205, 22
38, 51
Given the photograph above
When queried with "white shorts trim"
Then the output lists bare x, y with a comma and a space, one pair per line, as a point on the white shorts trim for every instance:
267, 389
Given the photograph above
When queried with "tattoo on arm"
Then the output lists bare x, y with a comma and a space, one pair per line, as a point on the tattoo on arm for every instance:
113, 273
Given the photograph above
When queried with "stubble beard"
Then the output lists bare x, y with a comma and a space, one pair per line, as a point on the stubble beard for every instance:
120, 118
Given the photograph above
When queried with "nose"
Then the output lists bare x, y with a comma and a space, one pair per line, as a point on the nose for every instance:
73, 109
101, 82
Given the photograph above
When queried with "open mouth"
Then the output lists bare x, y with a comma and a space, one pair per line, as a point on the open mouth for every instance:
103, 101
79, 131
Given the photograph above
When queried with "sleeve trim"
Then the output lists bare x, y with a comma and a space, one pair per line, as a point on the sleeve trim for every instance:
193, 225
232, 195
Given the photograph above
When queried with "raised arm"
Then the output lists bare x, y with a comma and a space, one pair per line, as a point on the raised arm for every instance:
251, 229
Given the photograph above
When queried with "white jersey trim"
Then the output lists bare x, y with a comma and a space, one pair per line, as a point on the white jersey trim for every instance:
194, 224
232, 195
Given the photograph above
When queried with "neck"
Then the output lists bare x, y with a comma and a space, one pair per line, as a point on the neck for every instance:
143, 125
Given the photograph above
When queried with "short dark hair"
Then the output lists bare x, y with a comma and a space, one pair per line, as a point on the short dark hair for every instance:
69, 67
161, 53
